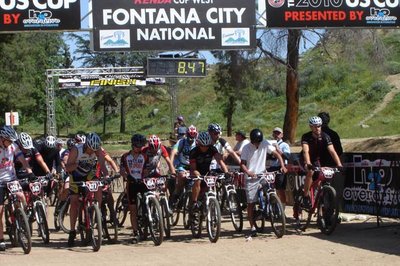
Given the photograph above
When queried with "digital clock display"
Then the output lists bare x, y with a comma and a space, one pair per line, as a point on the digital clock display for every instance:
176, 67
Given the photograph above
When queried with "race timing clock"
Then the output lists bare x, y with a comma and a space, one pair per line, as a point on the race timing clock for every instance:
176, 67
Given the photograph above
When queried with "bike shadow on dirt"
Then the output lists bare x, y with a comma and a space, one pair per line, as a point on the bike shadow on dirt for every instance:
364, 235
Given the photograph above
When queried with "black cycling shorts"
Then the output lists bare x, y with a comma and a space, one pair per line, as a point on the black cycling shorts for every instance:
133, 189
2, 194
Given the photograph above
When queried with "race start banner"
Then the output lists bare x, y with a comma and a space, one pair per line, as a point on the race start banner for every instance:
332, 13
146, 25
31, 15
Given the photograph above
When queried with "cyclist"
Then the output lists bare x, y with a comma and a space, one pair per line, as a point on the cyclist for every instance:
284, 150
80, 138
200, 160
315, 144
81, 165
154, 151
181, 151
9, 152
132, 170
253, 160
221, 145
179, 122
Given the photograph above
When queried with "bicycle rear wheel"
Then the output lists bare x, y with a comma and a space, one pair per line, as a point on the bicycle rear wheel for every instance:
23, 230
121, 208
277, 215
213, 220
62, 217
327, 211
95, 230
166, 217
10, 226
235, 211
41, 220
187, 203
109, 223
301, 215
155, 221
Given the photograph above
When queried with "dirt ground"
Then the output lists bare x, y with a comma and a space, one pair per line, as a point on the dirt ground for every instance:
356, 242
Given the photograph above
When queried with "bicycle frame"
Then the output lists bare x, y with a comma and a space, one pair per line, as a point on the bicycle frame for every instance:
325, 175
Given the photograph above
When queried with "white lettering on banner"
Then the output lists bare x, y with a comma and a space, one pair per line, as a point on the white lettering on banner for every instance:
39, 4
171, 16
174, 34
203, 1
367, 3
224, 15
318, 3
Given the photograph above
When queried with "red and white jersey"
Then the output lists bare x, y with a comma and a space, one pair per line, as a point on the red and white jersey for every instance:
7, 155
133, 164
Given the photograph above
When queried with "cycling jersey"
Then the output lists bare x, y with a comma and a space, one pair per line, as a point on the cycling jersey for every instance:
183, 148
318, 149
221, 145
7, 155
133, 164
202, 159
86, 163
153, 159
51, 157
30, 156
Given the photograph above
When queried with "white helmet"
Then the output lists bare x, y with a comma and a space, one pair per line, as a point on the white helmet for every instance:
93, 141
50, 142
315, 121
204, 139
9, 133
25, 141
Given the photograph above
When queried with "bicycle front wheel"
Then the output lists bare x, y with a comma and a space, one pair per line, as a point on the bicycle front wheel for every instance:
63, 216
166, 217
155, 221
328, 211
42, 222
121, 208
95, 229
187, 203
213, 220
277, 215
23, 230
110, 223
235, 211
10, 226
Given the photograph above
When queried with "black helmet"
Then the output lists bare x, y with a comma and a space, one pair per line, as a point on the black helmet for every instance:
256, 136
138, 140
325, 118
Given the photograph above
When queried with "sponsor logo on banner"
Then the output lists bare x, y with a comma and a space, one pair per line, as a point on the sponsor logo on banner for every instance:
380, 16
235, 36
40, 18
276, 3
115, 39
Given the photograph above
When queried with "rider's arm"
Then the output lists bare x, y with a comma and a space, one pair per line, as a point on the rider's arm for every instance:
41, 163
72, 164
110, 161
102, 162
334, 155
306, 154
281, 162
20, 157
168, 160
220, 161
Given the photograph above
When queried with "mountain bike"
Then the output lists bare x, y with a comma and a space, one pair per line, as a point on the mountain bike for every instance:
36, 206
209, 209
109, 220
17, 225
324, 204
269, 206
149, 214
230, 200
121, 208
164, 204
182, 204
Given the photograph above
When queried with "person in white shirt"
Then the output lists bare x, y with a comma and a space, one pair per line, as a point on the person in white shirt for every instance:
253, 160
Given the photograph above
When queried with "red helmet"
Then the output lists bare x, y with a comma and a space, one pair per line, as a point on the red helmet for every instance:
191, 132
154, 142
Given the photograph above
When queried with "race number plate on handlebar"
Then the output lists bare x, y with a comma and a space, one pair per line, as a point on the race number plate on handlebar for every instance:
270, 177
150, 183
14, 187
210, 180
35, 188
92, 186
328, 173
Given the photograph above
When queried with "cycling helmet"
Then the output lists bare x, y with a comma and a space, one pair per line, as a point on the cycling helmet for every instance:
59, 142
138, 140
154, 142
182, 131
191, 132
25, 141
256, 136
50, 142
80, 138
325, 118
204, 139
70, 143
9, 133
214, 128
93, 141
180, 118
315, 121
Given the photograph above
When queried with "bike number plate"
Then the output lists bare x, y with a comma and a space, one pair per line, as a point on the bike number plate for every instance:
36, 188
328, 173
92, 186
150, 183
270, 178
210, 180
14, 187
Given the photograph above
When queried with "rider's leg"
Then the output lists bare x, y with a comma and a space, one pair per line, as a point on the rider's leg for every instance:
195, 190
307, 183
1, 222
